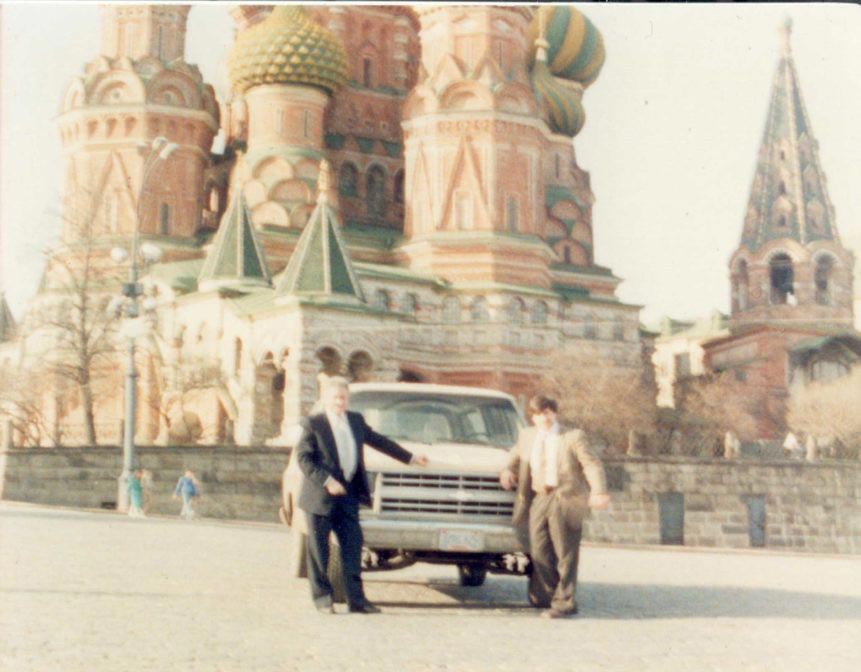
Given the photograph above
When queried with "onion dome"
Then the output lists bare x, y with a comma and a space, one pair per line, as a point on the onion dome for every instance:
561, 98
575, 48
288, 47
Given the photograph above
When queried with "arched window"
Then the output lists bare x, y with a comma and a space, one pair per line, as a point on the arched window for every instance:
376, 192
566, 254
360, 367
367, 72
382, 300
164, 219
348, 178
590, 328
824, 272
451, 310
399, 187
409, 304
214, 200
742, 283
618, 329
330, 361
516, 311
539, 312
511, 214
782, 280
478, 310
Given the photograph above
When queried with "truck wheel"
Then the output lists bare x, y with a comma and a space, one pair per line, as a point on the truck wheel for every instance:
297, 565
336, 574
471, 575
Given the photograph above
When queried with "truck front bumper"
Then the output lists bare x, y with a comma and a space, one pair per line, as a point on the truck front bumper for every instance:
413, 535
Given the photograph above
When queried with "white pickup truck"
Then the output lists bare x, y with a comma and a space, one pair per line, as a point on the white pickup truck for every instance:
452, 511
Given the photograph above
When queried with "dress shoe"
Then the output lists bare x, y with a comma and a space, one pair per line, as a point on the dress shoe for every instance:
366, 608
559, 613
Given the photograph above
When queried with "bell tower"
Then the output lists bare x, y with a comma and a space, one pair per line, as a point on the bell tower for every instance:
790, 267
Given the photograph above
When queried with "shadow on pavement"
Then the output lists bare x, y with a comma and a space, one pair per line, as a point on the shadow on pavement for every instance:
631, 602
620, 601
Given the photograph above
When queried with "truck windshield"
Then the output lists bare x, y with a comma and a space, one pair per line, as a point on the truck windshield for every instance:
439, 418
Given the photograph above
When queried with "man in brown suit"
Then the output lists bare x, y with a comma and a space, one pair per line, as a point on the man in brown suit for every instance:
558, 478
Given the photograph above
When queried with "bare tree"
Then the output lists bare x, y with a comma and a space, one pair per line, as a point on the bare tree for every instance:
606, 401
711, 405
830, 412
76, 332
22, 401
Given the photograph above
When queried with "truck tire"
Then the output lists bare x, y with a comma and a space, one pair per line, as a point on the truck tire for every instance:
471, 575
297, 564
336, 574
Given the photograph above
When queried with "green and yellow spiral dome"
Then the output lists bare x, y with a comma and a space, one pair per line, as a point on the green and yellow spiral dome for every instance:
575, 47
572, 58
288, 47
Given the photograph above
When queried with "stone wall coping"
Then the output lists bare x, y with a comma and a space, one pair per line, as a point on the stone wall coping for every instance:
285, 451
69, 450
720, 461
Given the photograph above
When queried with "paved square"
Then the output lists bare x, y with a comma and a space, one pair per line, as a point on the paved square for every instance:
96, 591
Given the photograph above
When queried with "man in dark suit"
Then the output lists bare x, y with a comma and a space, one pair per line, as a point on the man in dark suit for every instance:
330, 456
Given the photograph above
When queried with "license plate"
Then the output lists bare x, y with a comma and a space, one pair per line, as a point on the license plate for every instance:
461, 540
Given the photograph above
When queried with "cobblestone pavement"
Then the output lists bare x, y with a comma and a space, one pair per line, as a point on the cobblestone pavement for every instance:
95, 591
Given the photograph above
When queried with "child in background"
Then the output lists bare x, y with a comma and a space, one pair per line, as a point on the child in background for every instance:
186, 487
135, 494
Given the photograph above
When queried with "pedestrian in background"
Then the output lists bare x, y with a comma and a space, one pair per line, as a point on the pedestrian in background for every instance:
187, 488
135, 489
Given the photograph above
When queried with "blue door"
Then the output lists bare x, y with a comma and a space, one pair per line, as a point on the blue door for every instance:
672, 510
756, 520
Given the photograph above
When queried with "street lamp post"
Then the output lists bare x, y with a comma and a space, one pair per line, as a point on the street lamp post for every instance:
157, 151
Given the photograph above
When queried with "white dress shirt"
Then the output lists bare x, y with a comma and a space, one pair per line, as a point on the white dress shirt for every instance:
542, 460
346, 444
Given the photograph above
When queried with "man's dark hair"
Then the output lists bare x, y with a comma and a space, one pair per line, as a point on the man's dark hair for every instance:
539, 403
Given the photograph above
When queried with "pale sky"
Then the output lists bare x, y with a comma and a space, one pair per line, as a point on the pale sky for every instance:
672, 131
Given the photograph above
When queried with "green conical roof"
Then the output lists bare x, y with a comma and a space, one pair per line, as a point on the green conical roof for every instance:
236, 258
320, 265
789, 196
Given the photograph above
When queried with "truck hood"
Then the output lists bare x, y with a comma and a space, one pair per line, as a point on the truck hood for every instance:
443, 457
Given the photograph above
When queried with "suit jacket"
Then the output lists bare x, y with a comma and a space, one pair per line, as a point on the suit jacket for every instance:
317, 454
578, 468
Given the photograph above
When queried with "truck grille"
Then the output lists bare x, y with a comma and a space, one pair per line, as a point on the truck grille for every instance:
444, 494
450, 481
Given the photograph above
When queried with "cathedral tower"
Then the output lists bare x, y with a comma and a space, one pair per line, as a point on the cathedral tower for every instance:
790, 267
283, 70
473, 152
137, 90
493, 189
